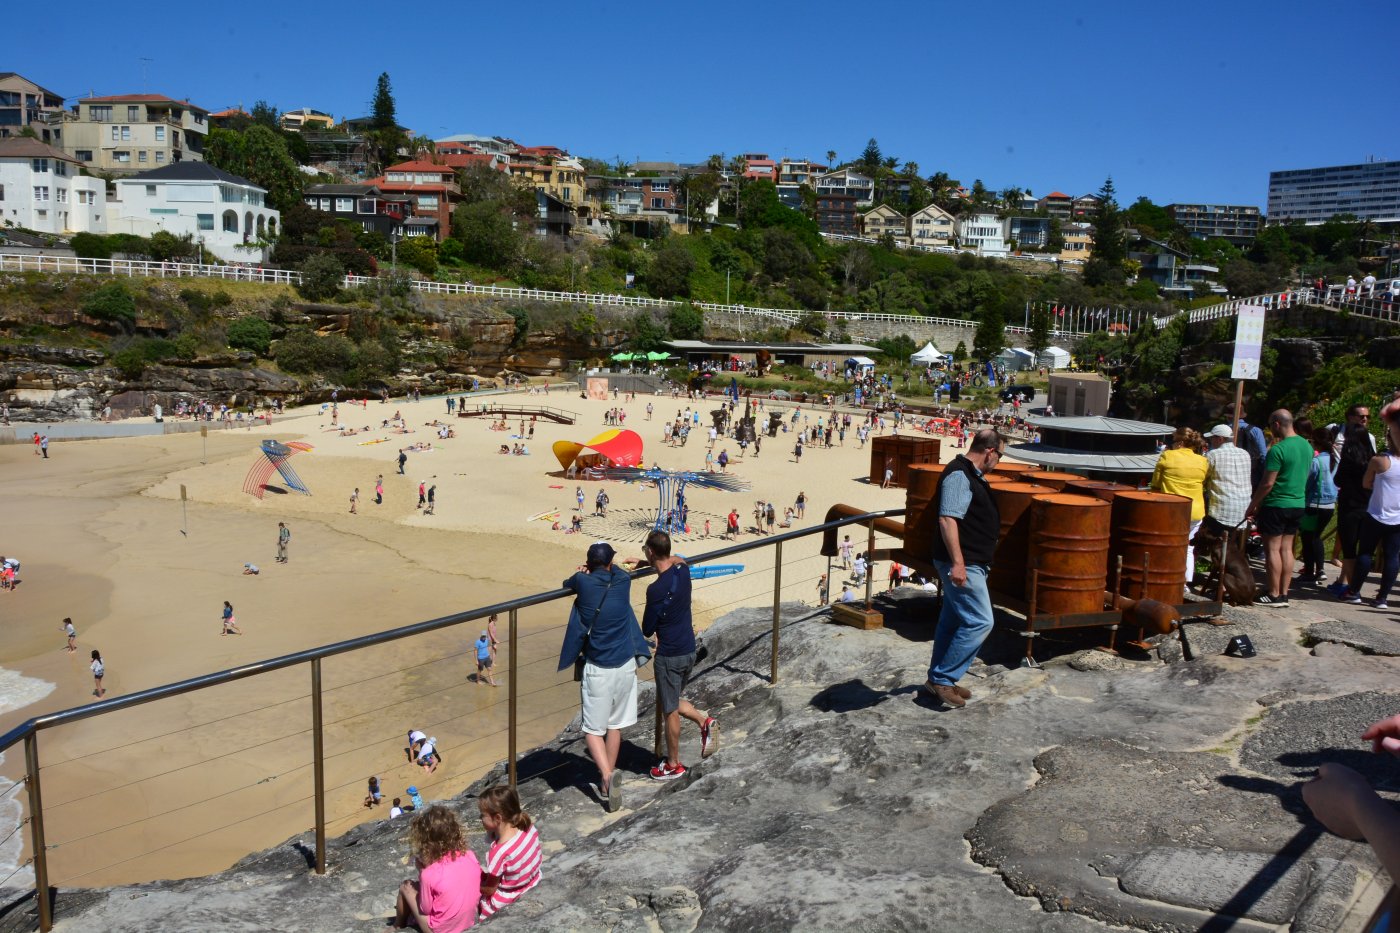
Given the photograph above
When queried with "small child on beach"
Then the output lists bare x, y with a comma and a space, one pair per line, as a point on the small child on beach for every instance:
396, 810
72, 634
98, 670
415, 800
374, 797
230, 624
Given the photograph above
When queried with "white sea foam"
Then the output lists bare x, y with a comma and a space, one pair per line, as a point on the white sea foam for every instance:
16, 691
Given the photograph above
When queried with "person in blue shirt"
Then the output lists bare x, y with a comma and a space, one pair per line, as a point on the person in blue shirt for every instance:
605, 643
483, 660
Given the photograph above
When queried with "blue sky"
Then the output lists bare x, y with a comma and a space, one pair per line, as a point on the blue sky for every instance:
1187, 101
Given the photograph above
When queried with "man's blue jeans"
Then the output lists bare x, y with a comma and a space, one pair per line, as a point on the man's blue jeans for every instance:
963, 625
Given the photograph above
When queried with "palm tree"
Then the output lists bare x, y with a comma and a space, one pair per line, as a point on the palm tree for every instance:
831, 158
1011, 201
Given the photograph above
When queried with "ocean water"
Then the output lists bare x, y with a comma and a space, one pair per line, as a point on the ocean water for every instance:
16, 692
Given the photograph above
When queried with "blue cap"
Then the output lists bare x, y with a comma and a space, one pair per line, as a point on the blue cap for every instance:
413, 790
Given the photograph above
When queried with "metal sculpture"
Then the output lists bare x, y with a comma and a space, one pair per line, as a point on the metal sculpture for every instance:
672, 512
274, 456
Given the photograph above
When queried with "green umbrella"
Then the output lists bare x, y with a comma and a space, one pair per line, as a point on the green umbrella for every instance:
623, 356
657, 355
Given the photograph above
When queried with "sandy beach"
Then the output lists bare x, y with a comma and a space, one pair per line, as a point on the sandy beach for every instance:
188, 786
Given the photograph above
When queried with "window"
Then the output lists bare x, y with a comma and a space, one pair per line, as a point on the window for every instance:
326, 205
160, 156
150, 191
565, 193
366, 206
160, 134
87, 197
141, 156
60, 167
344, 205
100, 114
84, 155
163, 211
60, 195
121, 134
39, 165
427, 202
41, 214
133, 112
206, 221
41, 193
2, 192
121, 155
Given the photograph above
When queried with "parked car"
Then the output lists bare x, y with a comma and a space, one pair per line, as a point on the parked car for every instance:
1391, 293
1025, 392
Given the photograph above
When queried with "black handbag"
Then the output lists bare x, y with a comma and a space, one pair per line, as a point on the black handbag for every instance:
580, 660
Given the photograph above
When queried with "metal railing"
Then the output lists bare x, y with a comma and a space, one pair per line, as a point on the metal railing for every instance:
29, 731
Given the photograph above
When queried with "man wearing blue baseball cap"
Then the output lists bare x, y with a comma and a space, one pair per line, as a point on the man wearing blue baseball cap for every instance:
604, 642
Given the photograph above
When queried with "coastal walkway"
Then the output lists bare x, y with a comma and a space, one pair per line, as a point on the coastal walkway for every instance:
1068, 323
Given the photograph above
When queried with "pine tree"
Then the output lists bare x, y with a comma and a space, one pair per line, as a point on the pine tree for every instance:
1105, 266
382, 108
870, 158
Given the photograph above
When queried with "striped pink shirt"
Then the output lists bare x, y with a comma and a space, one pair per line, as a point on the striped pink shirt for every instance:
517, 864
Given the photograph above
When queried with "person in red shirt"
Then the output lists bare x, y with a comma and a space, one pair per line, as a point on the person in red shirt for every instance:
513, 860
733, 523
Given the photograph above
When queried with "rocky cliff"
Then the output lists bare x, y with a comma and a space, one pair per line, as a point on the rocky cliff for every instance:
1142, 792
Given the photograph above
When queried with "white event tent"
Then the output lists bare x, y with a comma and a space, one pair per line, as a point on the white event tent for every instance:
929, 354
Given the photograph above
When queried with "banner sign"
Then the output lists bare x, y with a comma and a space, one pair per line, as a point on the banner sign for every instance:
1249, 339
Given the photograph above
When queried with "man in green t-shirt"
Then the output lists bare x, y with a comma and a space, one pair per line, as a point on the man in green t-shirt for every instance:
1279, 503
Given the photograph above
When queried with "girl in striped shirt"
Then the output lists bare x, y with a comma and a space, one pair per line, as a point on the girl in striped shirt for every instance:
513, 860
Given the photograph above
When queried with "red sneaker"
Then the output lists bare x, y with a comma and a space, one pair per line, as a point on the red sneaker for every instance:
709, 737
665, 772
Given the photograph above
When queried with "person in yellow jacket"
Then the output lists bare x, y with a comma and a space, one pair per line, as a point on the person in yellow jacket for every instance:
1181, 471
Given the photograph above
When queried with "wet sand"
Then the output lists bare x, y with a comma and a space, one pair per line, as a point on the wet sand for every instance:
186, 786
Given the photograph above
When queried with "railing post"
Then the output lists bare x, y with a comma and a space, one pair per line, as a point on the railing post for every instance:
318, 763
514, 680
777, 612
36, 832
869, 568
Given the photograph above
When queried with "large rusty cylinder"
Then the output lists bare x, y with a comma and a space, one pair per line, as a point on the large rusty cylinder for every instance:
1150, 531
1068, 553
1052, 478
1008, 573
1097, 488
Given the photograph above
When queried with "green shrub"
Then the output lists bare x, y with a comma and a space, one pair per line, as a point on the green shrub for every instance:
250, 333
321, 277
301, 351
111, 302
91, 246
132, 361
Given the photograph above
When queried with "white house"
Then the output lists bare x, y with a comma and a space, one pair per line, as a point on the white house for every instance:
228, 215
983, 232
41, 190
847, 181
932, 226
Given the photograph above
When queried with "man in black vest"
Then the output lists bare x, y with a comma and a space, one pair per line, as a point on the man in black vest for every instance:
968, 526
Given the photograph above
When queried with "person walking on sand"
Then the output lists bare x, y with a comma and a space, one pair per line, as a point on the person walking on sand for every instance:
491, 633
72, 634
44, 445
284, 538
379, 490
484, 660
432, 499
578, 497
355, 500
422, 494
403, 458
98, 671
230, 624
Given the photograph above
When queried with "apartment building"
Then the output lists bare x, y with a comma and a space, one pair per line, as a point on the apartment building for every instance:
885, 220
837, 214
469, 142
41, 190
562, 178
1056, 204
847, 181
1029, 232
1085, 207
983, 232
306, 119
227, 214
932, 226
758, 167
634, 196
1238, 223
128, 133
799, 172
24, 103
431, 190
1079, 242
1368, 191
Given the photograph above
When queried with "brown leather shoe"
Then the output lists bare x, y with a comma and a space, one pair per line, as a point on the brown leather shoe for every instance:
949, 696
963, 692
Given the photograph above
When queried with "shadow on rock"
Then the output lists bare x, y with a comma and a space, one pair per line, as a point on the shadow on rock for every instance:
848, 697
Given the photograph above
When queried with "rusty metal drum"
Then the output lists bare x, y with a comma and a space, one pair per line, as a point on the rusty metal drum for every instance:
1068, 550
920, 516
1008, 573
1097, 488
1013, 469
995, 478
1151, 527
1055, 479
